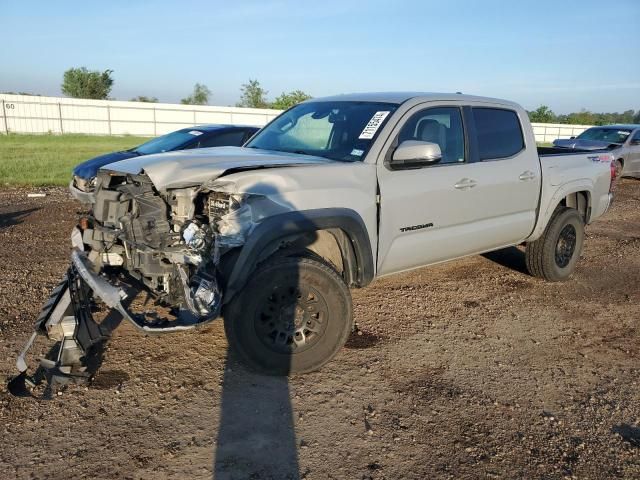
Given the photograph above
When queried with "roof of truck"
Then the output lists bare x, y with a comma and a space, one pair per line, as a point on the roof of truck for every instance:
401, 97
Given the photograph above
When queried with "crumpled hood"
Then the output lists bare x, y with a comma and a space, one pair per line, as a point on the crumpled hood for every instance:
194, 167
584, 144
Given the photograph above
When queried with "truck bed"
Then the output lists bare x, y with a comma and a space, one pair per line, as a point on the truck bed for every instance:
568, 170
547, 151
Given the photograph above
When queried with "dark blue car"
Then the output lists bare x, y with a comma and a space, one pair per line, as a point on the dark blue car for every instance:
201, 136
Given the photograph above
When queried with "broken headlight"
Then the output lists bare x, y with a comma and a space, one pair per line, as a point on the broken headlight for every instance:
83, 184
230, 216
222, 203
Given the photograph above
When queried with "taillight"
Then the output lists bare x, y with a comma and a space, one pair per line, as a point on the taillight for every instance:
612, 184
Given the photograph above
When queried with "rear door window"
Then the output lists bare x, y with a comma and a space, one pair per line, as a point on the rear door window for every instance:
498, 132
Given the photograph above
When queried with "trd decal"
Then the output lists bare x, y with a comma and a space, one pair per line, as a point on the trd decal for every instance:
416, 227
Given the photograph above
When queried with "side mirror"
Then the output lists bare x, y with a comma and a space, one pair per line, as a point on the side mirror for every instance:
415, 154
571, 138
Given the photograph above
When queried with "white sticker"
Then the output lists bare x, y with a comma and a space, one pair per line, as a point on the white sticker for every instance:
373, 125
195, 132
356, 152
622, 132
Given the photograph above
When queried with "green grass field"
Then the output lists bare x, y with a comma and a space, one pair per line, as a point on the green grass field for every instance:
48, 159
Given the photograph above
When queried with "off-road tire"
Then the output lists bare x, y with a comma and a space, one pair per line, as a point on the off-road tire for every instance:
552, 257
272, 298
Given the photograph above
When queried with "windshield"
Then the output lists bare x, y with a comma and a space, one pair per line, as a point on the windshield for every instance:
166, 143
611, 135
341, 131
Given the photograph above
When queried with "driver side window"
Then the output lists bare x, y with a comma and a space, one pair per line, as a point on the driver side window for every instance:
441, 125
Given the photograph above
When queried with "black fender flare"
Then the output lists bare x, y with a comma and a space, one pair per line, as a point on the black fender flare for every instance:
283, 225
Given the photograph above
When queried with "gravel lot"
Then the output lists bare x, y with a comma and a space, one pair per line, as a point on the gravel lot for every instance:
471, 369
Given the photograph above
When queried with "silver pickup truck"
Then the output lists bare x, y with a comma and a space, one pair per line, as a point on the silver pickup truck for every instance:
330, 195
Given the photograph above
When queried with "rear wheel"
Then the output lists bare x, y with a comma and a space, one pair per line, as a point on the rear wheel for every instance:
293, 316
555, 254
618, 166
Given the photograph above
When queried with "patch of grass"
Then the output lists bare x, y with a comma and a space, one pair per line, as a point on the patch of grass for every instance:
48, 159
40, 160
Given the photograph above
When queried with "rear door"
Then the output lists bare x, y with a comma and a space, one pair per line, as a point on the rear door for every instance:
481, 196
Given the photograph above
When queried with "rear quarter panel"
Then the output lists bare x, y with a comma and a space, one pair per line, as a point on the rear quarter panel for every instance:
563, 175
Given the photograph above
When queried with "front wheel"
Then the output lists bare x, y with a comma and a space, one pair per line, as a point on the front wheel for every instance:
293, 316
554, 255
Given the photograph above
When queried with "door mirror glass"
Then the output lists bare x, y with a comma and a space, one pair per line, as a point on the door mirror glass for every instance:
415, 154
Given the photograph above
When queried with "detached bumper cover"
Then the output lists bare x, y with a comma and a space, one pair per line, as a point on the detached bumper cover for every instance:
65, 318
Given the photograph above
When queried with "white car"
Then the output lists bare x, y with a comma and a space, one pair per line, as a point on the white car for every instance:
623, 141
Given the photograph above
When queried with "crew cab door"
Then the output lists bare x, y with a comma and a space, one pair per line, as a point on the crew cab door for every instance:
482, 195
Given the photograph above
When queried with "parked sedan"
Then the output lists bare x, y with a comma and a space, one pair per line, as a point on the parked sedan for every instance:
201, 136
622, 140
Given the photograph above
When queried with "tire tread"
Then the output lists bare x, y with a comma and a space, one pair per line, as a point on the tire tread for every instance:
538, 261
235, 308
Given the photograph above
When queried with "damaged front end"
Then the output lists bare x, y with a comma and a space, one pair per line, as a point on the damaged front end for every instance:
170, 244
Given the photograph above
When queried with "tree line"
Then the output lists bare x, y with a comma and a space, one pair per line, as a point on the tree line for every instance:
96, 85
544, 114
83, 83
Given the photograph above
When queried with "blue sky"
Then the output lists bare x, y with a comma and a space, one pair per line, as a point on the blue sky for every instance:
565, 54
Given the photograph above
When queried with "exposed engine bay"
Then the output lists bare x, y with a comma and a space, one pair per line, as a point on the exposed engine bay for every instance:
171, 242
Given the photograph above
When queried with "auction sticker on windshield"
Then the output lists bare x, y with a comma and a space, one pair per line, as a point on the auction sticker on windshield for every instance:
372, 127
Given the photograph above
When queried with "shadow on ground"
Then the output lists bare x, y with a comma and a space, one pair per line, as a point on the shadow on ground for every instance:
629, 433
14, 218
256, 437
511, 257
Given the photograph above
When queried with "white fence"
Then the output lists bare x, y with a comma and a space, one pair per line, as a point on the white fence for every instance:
548, 132
31, 114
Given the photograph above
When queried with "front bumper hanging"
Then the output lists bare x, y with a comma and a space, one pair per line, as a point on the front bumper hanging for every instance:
66, 318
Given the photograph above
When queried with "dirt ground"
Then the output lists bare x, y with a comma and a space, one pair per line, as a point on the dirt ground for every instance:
470, 369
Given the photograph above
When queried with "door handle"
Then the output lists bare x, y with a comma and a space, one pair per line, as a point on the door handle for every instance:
525, 176
465, 183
